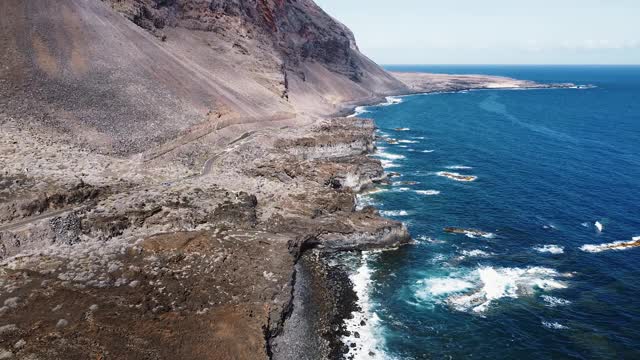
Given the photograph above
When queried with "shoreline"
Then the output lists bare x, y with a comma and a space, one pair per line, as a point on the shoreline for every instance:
423, 86
351, 112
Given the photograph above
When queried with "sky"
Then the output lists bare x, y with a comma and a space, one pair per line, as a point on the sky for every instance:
493, 31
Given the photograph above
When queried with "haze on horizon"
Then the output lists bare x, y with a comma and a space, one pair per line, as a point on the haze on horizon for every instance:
493, 31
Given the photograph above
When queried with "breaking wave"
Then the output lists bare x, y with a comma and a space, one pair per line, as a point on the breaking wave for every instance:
551, 249
428, 192
392, 100
476, 291
457, 176
554, 325
364, 325
554, 301
475, 253
358, 111
394, 213
617, 245
388, 164
389, 156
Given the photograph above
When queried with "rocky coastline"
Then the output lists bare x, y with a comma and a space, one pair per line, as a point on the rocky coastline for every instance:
237, 254
209, 254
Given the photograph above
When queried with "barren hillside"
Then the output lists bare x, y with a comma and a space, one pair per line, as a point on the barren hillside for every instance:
121, 76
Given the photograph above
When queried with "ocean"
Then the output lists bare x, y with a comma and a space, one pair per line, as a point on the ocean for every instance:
550, 175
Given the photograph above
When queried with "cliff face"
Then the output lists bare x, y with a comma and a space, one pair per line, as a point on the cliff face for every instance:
300, 30
318, 53
124, 84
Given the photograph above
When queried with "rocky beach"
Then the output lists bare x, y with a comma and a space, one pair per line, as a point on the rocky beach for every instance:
172, 187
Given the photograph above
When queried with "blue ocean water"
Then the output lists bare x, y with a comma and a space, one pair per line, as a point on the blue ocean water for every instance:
549, 165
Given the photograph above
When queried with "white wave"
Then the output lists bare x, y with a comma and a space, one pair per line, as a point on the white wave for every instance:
392, 100
408, 141
428, 192
405, 183
428, 151
554, 325
402, 129
394, 213
388, 164
430, 239
389, 156
472, 234
585, 224
492, 284
363, 200
554, 301
358, 111
412, 150
375, 190
369, 339
457, 177
551, 249
599, 226
616, 245
475, 253
403, 146
418, 137
441, 286
459, 167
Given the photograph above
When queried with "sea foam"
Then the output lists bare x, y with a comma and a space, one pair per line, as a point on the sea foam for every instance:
599, 226
492, 284
387, 164
551, 249
616, 245
394, 213
369, 338
359, 111
475, 253
428, 192
442, 286
457, 177
392, 100
552, 301
389, 156
554, 325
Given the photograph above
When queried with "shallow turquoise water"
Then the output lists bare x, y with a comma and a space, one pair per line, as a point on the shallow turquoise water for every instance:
549, 165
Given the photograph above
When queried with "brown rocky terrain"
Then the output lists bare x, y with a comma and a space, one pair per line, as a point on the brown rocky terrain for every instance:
198, 266
172, 180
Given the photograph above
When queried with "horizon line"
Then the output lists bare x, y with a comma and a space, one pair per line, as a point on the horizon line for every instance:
500, 64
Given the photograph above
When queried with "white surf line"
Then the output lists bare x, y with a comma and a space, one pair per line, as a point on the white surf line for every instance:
363, 326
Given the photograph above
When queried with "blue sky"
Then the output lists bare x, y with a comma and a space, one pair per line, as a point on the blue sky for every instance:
493, 31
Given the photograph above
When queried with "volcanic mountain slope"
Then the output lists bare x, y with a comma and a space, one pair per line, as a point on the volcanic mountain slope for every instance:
121, 76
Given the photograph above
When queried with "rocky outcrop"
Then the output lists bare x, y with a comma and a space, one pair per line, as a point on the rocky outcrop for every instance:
201, 267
